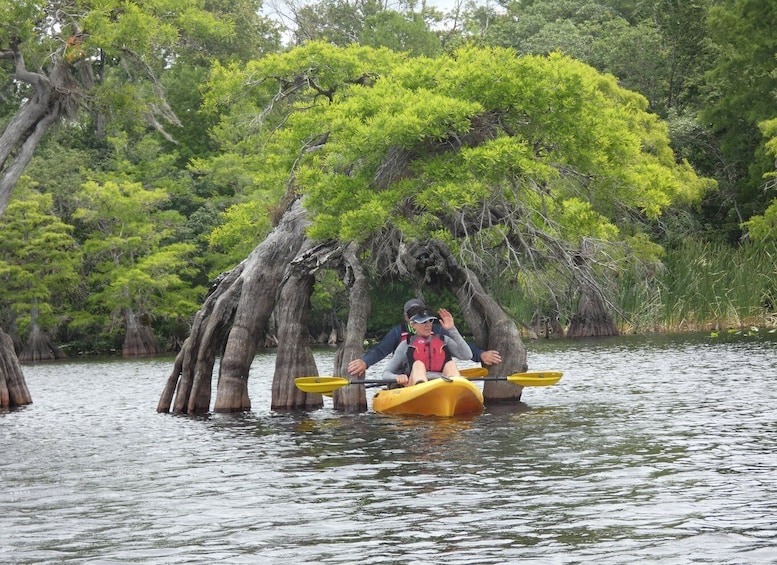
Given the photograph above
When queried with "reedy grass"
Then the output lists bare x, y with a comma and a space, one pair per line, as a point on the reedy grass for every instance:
699, 286
713, 286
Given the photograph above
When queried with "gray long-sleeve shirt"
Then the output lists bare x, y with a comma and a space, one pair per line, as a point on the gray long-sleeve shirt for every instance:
457, 347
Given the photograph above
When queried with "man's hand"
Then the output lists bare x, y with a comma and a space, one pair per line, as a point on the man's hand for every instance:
403, 380
357, 368
490, 357
446, 320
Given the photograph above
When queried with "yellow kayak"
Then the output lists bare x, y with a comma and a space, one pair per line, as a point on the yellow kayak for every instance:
439, 397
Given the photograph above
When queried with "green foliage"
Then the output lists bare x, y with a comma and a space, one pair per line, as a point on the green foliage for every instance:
328, 304
643, 50
130, 269
244, 226
58, 169
561, 137
129, 46
332, 21
415, 144
153, 27
273, 83
156, 283
39, 262
253, 102
107, 55
426, 145
763, 227
740, 89
769, 130
192, 138
18, 19
367, 23
400, 32
719, 285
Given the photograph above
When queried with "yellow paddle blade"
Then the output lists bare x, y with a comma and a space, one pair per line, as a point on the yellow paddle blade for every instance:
474, 372
535, 378
323, 385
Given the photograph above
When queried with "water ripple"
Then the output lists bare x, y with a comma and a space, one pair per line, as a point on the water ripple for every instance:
650, 449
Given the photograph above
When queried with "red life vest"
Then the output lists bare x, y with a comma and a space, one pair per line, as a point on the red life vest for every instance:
431, 351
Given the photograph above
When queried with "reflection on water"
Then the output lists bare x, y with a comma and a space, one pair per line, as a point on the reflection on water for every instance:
658, 449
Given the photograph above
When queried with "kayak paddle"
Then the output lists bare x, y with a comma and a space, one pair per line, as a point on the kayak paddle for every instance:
474, 372
315, 384
325, 385
529, 378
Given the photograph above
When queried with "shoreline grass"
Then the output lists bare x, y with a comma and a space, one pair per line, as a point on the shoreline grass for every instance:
700, 286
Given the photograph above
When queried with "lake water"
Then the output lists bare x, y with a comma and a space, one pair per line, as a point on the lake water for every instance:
658, 449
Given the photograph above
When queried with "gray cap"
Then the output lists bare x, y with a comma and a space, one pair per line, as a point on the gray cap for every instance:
423, 317
413, 302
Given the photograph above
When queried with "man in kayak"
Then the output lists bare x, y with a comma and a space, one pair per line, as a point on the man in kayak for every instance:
398, 333
424, 354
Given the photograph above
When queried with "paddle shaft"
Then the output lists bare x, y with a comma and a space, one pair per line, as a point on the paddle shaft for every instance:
374, 382
379, 382
326, 385
470, 373
473, 374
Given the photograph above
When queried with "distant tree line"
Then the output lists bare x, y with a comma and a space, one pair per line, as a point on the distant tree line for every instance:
146, 151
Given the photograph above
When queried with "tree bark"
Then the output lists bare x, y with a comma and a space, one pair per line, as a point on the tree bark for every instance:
279, 276
139, 341
230, 322
198, 354
545, 324
592, 318
433, 264
18, 141
295, 357
353, 398
39, 347
28, 126
13, 388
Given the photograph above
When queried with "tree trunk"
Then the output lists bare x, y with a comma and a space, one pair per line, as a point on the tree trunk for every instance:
20, 136
592, 318
295, 358
353, 398
199, 351
39, 347
433, 264
545, 324
236, 312
230, 322
139, 341
13, 388
26, 129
